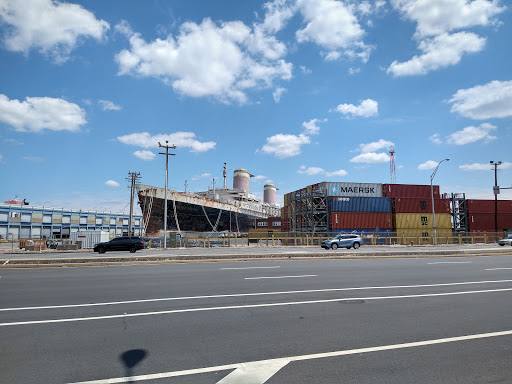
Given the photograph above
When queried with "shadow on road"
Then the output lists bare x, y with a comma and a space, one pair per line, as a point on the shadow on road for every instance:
131, 358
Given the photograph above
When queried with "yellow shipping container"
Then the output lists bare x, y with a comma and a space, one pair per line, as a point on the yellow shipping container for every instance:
422, 221
423, 232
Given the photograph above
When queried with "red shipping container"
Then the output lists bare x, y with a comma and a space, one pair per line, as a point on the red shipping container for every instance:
342, 220
424, 205
487, 206
410, 190
485, 221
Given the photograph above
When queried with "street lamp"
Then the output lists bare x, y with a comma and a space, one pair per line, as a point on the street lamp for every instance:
432, 194
167, 154
496, 191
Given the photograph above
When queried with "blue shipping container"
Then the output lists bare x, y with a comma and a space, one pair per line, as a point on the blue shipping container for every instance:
359, 204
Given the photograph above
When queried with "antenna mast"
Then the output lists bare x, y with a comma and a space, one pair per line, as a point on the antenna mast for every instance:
392, 170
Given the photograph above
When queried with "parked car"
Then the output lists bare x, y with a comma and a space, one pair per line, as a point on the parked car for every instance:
125, 243
348, 241
506, 241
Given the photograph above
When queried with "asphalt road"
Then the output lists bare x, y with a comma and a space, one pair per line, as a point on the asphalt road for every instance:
443, 320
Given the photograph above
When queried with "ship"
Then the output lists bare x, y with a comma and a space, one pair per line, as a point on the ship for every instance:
215, 210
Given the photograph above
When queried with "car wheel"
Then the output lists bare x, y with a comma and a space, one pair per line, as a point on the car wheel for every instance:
334, 246
101, 250
348, 247
133, 249
356, 245
504, 244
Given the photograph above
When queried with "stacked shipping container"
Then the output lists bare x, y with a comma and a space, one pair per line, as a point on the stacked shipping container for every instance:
359, 208
412, 210
481, 215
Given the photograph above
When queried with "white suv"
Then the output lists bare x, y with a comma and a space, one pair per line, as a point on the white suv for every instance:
506, 241
347, 241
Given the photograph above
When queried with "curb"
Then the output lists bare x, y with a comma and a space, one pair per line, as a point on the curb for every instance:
6, 263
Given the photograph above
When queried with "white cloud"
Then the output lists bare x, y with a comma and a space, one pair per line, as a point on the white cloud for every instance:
144, 155
483, 167
180, 139
109, 105
34, 159
331, 24
435, 17
435, 20
2, 161
367, 108
311, 127
371, 158
438, 52
376, 146
354, 71
278, 93
492, 100
312, 171
111, 183
471, 134
430, 164
206, 60
282, 145
38, 113
435, 138
202, 176
53, 27
305, 70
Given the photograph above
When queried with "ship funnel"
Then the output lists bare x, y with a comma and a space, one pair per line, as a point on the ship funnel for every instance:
269, 194
242, 180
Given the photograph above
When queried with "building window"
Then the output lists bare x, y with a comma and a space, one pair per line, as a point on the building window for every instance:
83, 219
66, 219
14, 214
26, 217
125, 221
262, 224
276, 223
113, 221
99, 221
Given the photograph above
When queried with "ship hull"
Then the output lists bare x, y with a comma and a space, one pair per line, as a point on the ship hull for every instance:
190, 213
196, 218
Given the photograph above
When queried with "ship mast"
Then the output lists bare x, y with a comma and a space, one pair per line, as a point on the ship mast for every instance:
225, 174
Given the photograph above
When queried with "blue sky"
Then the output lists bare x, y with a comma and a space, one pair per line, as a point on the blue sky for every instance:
295, 91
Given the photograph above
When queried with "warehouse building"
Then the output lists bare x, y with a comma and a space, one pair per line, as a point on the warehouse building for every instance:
18, 220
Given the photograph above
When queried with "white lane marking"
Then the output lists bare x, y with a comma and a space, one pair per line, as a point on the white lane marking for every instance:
285, 360
7, 262
254, 294
254, 373
451, 262
277, 277
125, 315
496, 269
223, 269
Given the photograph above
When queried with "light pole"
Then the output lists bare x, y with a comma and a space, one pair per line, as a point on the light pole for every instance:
496, 191
167, 154
432, 194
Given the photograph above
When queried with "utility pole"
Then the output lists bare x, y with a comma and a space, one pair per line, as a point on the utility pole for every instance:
167, 154
496, 190
186, 184
132, 178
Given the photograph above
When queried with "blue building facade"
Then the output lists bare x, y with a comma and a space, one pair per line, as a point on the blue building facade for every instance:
18, 221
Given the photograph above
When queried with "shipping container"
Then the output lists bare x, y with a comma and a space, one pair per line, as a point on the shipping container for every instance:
427, 232
368, 232
359, 204
410, 190
421, 221
354, 189
341, 220
89, 238
420, 205
487, 206
485, 221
